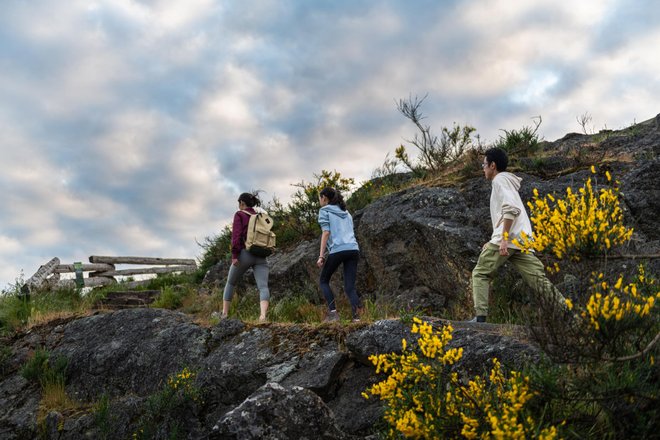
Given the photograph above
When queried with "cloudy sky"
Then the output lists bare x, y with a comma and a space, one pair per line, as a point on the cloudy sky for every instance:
130, 127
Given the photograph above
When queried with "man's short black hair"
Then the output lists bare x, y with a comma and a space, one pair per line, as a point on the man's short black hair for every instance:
498, 156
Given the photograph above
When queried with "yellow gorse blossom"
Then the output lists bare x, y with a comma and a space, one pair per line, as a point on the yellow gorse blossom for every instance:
425, 399
184, 382
585, 222
620, 301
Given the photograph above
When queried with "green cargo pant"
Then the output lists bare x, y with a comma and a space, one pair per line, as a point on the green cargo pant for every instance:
528, 265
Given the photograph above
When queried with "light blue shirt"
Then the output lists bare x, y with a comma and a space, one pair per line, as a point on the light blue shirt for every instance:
340, 225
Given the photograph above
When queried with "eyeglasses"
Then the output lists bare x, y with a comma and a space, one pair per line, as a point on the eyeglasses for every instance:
484, 165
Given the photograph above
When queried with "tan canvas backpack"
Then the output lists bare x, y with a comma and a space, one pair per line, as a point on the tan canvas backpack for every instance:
260, 239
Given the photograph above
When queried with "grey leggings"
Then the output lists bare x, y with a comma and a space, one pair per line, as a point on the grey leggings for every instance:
245, 261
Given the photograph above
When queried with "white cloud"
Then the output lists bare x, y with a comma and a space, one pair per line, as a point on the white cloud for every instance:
128, 144
131, 126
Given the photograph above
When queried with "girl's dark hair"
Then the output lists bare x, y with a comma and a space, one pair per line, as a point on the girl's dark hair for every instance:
334, 197
498, 156
250, 199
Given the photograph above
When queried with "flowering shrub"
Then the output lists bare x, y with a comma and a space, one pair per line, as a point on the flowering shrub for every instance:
620, 317
425, 399
611, 303
183, 383
583, 223
163, 409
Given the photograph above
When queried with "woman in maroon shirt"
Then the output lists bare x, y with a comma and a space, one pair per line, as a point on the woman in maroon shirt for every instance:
242, 260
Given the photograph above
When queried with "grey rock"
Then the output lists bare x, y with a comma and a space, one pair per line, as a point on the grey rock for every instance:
318, 371
381, 337
142, 346
217, 275
19, 404
274, 412
420, 245
295, 272
642, 197
226, 328
354, 413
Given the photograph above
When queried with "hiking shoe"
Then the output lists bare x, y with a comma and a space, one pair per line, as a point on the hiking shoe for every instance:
219, 316
332, 316
356, 319
478, 318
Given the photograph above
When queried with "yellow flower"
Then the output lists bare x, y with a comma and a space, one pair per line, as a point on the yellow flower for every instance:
593, 169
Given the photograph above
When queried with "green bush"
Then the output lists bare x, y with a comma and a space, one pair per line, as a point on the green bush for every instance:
376, 188
45, 369
295, 308
434, 153
169, 298
298, 220
215, 249
17, 309
14, 312
520, 143
165, 409
103, 418
162, 281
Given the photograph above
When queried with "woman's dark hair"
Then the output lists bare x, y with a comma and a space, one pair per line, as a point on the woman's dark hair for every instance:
498, 156
334, 197
250, 199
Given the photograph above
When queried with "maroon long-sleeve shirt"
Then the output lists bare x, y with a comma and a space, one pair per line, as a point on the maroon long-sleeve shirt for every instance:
239, 232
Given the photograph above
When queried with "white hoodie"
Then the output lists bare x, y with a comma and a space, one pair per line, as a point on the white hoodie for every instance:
505, 203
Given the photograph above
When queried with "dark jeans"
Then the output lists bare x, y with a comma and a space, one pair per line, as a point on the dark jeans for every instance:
350, 261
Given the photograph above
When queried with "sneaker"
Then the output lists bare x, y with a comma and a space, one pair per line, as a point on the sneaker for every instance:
219, 316
332, 316
356, 319
479, 318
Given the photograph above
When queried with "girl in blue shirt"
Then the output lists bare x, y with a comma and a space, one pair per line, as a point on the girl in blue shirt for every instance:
338, 239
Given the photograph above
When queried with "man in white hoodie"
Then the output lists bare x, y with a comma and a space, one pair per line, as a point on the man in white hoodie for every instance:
509, 219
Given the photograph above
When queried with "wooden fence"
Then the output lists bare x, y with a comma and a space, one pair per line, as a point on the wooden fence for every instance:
102, 270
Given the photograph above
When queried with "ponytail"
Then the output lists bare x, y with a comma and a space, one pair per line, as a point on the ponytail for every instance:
334, 197
250, 199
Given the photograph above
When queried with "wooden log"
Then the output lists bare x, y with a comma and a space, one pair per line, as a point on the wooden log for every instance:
40, 276
66, 268
89, 282
52, 281
147, 270
142, 260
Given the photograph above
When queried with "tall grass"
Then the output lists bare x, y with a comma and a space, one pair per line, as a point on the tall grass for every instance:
50, 372
18, 310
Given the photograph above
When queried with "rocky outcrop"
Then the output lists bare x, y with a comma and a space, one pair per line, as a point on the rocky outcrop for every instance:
265, 381
274, 412
293, 381
418, 246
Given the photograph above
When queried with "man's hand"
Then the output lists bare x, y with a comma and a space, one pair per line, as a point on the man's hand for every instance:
504, 249
234, 261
